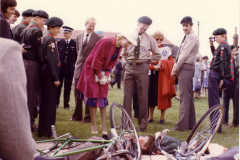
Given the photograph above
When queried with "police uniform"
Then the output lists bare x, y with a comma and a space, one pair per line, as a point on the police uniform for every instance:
136, 70
219, 69
17, 30
68, 57
49, 75
184, 67
32, 36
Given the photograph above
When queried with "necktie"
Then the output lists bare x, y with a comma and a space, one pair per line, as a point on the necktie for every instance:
232, 70
137, 48
85, 42
180, 48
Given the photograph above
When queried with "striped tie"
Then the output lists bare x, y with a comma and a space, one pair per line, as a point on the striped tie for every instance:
85, 42
232, 70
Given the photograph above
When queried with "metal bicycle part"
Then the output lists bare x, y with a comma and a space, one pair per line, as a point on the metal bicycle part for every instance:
123, 127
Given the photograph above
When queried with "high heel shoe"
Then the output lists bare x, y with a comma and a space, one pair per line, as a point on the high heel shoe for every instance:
103, 132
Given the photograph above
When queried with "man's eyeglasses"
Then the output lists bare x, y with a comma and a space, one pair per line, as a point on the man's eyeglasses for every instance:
145, 25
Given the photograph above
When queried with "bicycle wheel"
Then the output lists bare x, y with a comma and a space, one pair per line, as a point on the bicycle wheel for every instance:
204, 131
121, 123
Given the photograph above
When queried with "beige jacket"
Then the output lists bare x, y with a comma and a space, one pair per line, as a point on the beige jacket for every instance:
16, 142
187, 51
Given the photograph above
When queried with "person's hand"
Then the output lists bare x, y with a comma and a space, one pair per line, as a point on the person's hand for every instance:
173, 74
56, 83
211, 43
23, 50
221, 83
156, 68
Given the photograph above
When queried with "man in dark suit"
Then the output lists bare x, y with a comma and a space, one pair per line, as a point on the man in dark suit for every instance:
85, 44
17, 30
7, 9
68, 56
118, 73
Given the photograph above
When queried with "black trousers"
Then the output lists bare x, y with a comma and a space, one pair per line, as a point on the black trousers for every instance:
47, 113
228, 93
117, 80
236, 104
67, 79
135, 102
213, 90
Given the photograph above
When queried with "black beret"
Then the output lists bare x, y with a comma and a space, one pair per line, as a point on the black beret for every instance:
233, 46
186, 19
205, 57
53, 22
40, 13
145, 20
67, 29
27, 13
219, 31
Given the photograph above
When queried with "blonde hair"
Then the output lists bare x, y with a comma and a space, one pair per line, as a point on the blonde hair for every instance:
158, 34
90, 19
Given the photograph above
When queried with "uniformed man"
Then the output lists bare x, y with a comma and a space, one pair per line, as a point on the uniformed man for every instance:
17, 30
184, 69
68, 57
230, 86
136, 70
31, 37
219, 69
49, 77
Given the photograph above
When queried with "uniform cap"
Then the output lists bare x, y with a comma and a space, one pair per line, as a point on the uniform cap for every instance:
40, 13
145, 20
67, 29
27, 13
219, 31
186, 19
53, 22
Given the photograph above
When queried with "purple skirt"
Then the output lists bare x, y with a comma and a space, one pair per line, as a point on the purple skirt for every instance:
94, 102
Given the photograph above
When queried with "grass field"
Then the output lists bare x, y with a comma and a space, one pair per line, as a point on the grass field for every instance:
229, 137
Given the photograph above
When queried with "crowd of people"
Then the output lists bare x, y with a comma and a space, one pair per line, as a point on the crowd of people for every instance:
42, 65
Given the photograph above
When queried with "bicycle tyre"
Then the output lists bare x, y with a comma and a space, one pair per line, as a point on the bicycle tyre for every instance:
124, 154
216, 110
117, 112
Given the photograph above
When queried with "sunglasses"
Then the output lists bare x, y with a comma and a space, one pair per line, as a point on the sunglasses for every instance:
158, 39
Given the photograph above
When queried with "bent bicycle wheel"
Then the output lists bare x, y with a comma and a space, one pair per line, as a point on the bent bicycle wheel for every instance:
121, 124
204, 131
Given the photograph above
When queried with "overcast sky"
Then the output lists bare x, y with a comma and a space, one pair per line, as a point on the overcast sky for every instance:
117, 16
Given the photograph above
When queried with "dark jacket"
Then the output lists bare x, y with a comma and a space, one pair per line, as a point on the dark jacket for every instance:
17, 30
5, 30
221, 60
118, 68
67, 55
32, 36
50, 54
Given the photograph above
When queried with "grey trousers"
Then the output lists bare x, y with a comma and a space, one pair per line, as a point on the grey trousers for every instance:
33, 70
137, 74
187, 117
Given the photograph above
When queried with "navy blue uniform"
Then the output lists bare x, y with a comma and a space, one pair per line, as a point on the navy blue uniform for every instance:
68, 57
219, 70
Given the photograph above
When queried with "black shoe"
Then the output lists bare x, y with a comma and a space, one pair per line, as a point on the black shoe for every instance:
161, 121
150, 120
67, 108
141, 129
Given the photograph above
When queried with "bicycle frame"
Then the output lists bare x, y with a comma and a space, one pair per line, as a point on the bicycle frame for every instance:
106, 143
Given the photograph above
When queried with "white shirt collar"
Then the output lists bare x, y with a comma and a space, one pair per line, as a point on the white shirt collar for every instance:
68, 40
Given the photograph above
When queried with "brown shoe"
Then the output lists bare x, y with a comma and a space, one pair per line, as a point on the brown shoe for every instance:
225, 125
233, 125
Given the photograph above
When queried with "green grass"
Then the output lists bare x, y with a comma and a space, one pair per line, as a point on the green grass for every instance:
229, 137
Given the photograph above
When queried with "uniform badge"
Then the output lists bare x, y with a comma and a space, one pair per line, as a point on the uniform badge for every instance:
222, 48
50, 45
143, 49
53, 45
164, 53
52, 50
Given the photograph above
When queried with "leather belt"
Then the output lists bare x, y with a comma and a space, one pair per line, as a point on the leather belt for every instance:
136, 63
